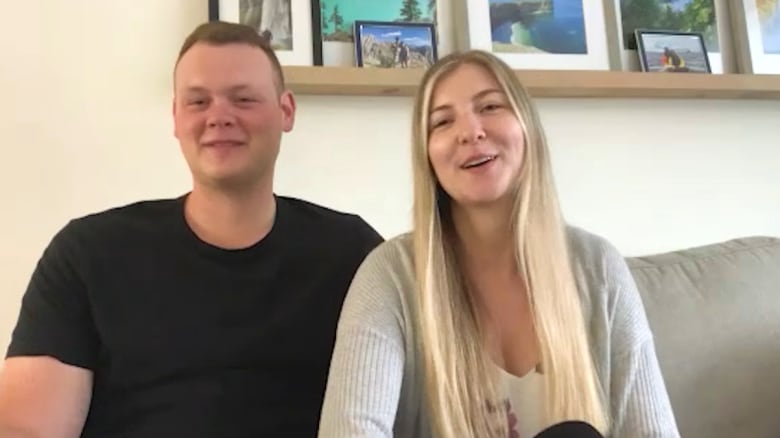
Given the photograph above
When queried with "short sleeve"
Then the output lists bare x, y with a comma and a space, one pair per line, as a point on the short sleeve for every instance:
55, 318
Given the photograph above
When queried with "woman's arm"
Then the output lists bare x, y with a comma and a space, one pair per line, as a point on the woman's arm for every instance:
640, 406
367, 366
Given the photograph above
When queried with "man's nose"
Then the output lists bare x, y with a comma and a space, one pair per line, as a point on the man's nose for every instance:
220, 121
220, 115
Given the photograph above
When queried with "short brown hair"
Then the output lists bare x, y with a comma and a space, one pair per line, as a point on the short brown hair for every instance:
221, 33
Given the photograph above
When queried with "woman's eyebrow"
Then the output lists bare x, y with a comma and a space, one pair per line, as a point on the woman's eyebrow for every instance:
476, 96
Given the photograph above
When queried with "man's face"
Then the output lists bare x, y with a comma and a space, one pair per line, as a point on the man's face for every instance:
229, 115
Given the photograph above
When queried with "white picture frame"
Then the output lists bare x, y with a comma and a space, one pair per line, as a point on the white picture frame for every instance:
474, 19
626, 59
342, 53
751, 53
305, 49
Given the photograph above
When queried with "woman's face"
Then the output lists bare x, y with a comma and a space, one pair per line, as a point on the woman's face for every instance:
475, 142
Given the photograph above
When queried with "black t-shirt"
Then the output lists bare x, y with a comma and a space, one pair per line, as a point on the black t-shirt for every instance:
186, 339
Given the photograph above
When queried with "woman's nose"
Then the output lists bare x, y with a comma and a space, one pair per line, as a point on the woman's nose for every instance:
470, 130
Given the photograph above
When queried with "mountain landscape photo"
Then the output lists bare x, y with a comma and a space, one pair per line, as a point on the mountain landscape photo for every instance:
390, 46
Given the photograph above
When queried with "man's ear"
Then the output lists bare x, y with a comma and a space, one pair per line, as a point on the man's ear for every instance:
287, 103
173, 113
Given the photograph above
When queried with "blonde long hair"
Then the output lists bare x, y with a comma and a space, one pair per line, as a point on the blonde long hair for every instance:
459, 384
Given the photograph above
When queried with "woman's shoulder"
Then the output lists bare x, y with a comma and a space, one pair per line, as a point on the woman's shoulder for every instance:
380, 295
583, 241
600, 270
394, 255
594, 253
388, 269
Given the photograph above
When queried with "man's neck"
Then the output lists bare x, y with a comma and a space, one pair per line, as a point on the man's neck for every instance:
230, 220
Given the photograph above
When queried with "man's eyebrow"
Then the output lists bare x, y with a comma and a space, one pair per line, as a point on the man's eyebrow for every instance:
234, 88
476, 96
240, 87
194, 89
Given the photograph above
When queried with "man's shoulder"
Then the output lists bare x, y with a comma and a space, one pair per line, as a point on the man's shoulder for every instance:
139, 208
320, 218
116, 220
309, 210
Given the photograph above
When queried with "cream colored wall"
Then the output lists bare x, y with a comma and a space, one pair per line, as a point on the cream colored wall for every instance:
86, 125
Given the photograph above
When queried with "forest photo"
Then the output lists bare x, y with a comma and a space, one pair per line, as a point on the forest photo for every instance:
769, 18
338, 16
675, 15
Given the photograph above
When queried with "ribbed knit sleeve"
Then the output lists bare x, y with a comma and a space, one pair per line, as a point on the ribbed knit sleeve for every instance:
367, 366
639, 399
640, 406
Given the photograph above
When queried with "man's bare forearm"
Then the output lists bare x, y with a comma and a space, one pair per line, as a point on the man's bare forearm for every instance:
17, 432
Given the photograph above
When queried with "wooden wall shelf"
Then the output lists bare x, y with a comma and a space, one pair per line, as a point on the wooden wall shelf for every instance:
355, 81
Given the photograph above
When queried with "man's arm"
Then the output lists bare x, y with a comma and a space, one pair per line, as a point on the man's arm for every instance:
41, 397
46, 380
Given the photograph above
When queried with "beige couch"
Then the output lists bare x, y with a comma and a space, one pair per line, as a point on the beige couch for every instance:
715, 313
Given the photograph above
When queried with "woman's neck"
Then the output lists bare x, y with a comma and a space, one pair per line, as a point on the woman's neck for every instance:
485, 239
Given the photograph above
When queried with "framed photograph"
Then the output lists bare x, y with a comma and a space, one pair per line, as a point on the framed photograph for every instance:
757, 35
672, 52
710, 18
540, 34
338, 23
292, 26
389, 44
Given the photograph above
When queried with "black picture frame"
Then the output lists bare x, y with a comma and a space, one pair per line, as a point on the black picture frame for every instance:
316, 26
358, 32
686, 51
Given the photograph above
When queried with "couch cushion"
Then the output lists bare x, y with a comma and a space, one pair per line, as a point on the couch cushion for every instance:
715, 313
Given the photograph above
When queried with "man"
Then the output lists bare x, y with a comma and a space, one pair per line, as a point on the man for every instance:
209, 315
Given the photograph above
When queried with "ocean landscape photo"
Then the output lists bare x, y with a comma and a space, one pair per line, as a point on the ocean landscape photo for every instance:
538, 26
338, 16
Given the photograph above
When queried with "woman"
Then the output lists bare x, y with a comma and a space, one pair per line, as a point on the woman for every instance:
492, 318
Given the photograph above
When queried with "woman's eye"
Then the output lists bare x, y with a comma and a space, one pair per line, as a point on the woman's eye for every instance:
491, 107
439, 123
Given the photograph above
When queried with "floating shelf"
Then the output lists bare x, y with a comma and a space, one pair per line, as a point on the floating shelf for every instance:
356, 81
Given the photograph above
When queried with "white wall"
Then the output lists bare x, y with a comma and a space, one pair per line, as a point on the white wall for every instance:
86, 125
